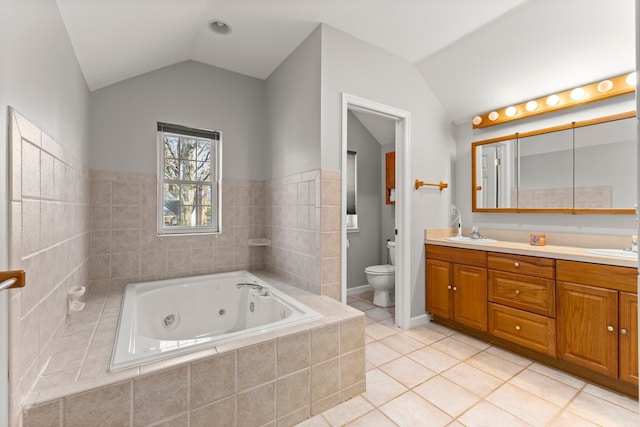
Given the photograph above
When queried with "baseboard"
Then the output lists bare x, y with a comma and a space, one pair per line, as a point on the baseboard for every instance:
416, 321
359, 289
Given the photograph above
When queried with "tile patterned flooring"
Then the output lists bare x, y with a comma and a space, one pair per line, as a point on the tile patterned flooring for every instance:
435, 376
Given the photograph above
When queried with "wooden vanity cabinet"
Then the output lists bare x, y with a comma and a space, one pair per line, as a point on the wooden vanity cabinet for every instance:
390, 176
595, 323
456, 285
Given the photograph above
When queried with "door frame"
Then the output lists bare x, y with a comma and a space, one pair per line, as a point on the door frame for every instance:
403, 199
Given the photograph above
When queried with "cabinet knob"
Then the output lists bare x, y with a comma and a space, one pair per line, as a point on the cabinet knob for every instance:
517, 291
623, 331
455, 289
517, 264
517, 327
610, 328
449, 287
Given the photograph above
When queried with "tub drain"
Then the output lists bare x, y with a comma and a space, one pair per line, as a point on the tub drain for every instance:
169, 322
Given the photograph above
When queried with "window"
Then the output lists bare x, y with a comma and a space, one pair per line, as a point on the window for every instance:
188, 180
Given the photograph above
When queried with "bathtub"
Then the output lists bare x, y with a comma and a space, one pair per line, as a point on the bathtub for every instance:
165, 318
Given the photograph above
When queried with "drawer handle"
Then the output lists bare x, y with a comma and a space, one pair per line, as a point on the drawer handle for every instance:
518, 327
623, 331
517, 291
517, 264
610, 328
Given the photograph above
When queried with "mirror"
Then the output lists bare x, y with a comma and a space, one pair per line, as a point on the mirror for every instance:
581, 167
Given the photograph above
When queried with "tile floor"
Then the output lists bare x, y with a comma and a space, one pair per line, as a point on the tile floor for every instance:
434, 376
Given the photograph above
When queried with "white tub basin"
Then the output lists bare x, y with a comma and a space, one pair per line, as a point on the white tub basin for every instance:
618, 253
463, 239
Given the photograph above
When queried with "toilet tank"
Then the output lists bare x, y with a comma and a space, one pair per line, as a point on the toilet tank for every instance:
392, 252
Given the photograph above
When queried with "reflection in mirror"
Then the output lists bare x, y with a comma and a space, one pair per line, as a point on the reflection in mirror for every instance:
605, 165
496, 174
546, 171
352, 189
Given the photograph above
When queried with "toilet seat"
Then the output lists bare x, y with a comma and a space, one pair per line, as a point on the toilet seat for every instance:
381, 270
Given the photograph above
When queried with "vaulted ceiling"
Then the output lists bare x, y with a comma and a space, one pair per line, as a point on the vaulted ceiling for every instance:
475, 55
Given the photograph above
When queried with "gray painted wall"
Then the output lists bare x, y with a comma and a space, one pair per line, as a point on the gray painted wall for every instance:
352, 66
364, 246
586, 224
40, 77
124, 117
293, 111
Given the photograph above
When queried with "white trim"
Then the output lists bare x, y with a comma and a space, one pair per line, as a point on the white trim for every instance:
403, 199
420, 320
359, 289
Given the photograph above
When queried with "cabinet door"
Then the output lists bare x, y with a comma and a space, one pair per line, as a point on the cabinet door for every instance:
438, 291
629, 337
470, 296
390, 176
587, 319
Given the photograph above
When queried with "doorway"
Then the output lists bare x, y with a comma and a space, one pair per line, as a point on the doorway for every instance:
401, 120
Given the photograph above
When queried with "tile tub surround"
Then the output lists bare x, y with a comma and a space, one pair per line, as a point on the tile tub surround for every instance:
282, 377
300, 214
49, 239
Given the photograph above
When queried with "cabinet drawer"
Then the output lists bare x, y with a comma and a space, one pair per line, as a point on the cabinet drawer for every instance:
524, 292
457, 255
526, 329
604, 276
522, 264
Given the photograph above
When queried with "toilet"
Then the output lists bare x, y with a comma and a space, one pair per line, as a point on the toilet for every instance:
382, 279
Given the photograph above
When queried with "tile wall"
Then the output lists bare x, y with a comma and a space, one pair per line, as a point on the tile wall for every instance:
126, 248
49, 239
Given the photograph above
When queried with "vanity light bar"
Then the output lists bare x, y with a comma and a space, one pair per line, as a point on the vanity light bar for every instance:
597, 91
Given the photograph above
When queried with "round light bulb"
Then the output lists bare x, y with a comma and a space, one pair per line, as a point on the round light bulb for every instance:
511, 111
632, 79
577, 94
493, 116
476, 120
553, 100
531, 106
605, 86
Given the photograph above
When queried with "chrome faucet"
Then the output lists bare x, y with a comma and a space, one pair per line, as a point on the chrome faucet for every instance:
262, 290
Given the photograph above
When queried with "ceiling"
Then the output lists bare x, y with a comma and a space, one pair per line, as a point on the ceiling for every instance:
475, 55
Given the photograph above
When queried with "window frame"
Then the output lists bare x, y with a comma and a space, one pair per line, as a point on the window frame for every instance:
215, 179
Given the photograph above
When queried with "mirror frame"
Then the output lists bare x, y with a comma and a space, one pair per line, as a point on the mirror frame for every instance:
517, 135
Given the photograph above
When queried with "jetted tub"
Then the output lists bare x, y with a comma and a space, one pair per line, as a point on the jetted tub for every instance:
165, 318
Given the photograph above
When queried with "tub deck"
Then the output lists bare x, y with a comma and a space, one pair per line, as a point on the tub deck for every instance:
326, 357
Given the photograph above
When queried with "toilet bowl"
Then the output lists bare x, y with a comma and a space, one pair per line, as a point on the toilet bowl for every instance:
382, 279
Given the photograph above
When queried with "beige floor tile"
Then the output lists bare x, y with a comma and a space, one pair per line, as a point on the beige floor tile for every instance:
373, 418
378, 331
378, 354
390, 322
402, 343
455, 348
494, 365
618, 399
407, 372
602, 412
558, 375
439, 328
474, 380
362, 305
381, 388
547, 388
507, 355
433, 359
447, 396
347, 411
567, 419
425, 335
482, 345
410, 409
485, 414
524, 405
377, 314
455, 424
317, 421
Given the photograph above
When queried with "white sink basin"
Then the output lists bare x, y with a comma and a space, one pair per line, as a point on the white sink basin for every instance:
464, 239
618, 253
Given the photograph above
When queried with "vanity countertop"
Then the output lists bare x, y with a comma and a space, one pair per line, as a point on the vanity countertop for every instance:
438, 236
